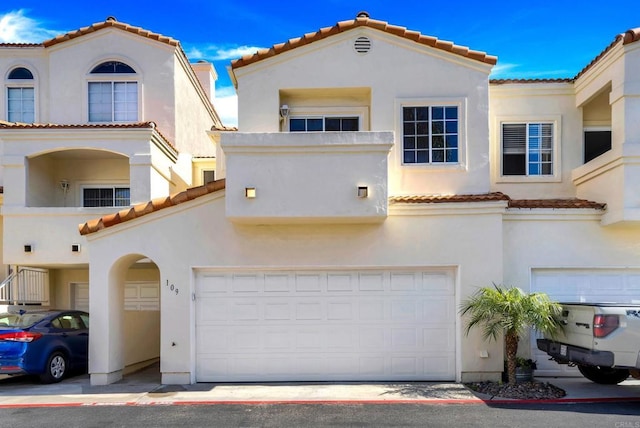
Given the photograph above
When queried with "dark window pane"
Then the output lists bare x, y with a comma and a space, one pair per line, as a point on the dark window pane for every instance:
513, 164
112, 67
437, 112
350, 124
423, 156
422, 113
596, 143
332, 124
314, 124
437, 127
423, 128
452, 141
20, 73
437, 156
437, 141
409, 129
451, 112
452, 155
297, 125
452, 126
409, 157
409, 113
423, 142
409, 143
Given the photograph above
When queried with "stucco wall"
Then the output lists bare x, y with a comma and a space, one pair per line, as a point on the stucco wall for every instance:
397, 72
402, 240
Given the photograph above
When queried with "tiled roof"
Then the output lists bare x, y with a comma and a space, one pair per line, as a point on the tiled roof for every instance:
363, 20
158, 204
433, 199
134, 125
110, 22
20, 45
145, 208
556, 203
498, 196
506, 81
224, 128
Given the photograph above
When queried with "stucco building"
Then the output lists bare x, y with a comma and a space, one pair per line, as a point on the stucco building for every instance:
376, 179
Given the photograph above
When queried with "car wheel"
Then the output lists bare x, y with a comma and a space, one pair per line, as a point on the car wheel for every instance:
56, 368
604, 375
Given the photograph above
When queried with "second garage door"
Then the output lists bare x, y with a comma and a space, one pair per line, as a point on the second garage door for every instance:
325, 325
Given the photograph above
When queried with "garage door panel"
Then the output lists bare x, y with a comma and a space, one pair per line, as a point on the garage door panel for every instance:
280, 326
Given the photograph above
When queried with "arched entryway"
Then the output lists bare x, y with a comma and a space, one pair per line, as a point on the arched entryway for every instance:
125, 318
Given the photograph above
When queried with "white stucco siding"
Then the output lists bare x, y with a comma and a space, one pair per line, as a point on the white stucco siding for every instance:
36, 61
536, 103
565, 240
396, 71
71, 62
192, 118
197, 235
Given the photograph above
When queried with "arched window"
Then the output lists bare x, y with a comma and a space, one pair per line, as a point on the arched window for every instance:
20, 96
20, 73
113, 100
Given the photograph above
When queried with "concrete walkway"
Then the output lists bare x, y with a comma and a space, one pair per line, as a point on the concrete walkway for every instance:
144, 388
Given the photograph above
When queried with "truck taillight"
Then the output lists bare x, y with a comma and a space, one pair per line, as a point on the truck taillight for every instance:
604, 325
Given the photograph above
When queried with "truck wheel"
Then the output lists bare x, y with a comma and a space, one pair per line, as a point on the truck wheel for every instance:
604, 375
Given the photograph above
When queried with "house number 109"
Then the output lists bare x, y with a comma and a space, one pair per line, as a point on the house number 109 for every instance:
172, 287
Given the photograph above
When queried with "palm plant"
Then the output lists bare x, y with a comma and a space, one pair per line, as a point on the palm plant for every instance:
510, 312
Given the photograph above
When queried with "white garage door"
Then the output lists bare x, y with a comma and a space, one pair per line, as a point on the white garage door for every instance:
325, 325
582, 285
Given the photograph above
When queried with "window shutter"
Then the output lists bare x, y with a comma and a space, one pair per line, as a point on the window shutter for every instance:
514, 138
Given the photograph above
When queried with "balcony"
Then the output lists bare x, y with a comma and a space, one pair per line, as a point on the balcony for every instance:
315, 177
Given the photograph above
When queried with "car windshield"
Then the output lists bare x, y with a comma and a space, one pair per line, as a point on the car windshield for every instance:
20, 320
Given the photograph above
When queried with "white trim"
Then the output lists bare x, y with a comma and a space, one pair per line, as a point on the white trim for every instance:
461, 103
557, 152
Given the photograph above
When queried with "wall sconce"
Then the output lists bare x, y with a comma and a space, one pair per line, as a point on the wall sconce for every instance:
28, 248
363, 192
284, 111
250, 192
64, 185
75, 248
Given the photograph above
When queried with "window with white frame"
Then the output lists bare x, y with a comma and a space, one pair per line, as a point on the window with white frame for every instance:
430, 134
20, 96
527, 149
110, 99
105, 196
208, 176
324, 123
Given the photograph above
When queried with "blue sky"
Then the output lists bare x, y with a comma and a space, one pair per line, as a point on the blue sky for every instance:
542, 39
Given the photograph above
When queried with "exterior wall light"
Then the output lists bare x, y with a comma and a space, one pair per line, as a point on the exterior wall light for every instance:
363, 192
28, 248
284, 111
250, 192
75, 248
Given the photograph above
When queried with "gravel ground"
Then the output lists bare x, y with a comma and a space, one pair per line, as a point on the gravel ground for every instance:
525, 390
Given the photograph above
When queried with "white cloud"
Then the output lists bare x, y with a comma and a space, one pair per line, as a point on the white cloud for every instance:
226, 104
220, 53
16, 27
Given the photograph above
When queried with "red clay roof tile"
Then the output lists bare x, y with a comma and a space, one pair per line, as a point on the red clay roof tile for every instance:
556, 203
363, 20
433, 199
140, 210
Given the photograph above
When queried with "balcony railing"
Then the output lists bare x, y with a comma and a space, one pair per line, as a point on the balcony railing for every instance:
26, 286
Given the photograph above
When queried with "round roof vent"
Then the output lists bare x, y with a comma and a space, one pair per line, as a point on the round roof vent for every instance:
362, 45
362, 14
111, 18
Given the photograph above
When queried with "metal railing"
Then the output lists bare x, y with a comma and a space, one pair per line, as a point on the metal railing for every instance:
25, 286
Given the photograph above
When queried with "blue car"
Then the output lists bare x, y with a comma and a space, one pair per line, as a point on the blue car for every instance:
47, 343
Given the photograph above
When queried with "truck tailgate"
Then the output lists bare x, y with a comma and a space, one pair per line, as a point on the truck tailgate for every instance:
578, 325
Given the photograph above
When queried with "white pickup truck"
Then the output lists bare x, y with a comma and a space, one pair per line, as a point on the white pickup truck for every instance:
601, 339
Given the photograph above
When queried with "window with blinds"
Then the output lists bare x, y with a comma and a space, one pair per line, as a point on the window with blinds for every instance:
527, 149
